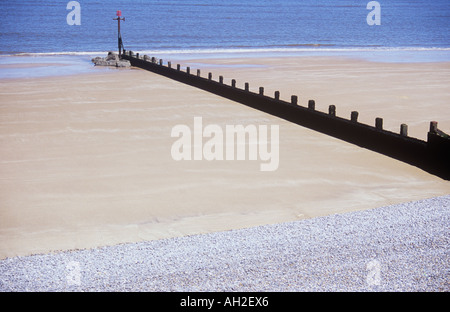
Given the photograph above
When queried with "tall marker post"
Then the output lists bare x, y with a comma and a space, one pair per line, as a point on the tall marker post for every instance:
119, 36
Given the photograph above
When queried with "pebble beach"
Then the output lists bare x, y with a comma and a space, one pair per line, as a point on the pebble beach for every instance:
401, 248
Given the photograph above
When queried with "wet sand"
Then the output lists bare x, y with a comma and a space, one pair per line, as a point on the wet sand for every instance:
85, 159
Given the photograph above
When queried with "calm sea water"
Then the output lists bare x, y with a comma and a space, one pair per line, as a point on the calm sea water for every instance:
181, 26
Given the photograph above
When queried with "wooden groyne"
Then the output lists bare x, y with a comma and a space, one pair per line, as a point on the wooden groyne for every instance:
432, 155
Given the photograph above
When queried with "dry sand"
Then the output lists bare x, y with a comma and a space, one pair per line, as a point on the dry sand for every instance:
85, 160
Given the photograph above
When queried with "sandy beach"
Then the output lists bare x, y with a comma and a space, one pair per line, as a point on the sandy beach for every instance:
85, 159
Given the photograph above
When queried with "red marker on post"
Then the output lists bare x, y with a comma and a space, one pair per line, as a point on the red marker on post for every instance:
119, 36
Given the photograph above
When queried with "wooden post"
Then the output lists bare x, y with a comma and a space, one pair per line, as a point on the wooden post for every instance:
312, 104
404, 130
233, 83
294, 99
277, 95
379, 123
332, 110
261, 90
354, 116
433, 127
247, 88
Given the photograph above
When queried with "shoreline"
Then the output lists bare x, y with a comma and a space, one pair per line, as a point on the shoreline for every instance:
99, 146
79, 62
380, 54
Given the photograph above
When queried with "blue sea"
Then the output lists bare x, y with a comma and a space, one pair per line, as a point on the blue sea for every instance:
408, 30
